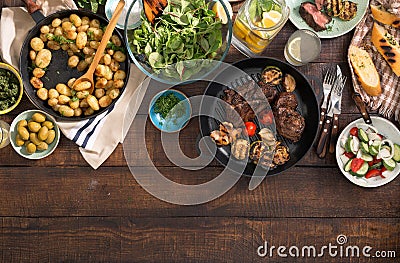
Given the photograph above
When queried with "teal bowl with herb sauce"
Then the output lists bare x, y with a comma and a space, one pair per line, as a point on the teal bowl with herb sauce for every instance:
11, 88
170, 111
185, 44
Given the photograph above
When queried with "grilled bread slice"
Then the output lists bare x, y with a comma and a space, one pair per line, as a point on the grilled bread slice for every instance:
365, 70
383, 16
387, 45
333, 7
348, 11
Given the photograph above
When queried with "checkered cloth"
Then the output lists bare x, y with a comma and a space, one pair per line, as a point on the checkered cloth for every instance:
388, 103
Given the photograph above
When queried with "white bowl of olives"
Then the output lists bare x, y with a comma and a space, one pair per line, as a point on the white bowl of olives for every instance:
34, 134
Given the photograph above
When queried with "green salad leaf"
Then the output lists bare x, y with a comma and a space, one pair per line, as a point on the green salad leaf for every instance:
187, 30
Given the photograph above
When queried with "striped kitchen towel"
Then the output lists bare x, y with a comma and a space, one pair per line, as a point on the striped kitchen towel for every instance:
388, 103
96, 137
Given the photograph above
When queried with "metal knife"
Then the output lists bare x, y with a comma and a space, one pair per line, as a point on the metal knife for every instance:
337, 109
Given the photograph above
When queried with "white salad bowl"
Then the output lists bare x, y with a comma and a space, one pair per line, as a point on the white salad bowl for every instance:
384, 127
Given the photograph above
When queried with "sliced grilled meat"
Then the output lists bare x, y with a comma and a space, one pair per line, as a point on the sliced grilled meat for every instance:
289, 123
348, 11
286, 100
313, 17
269, 91
333, 7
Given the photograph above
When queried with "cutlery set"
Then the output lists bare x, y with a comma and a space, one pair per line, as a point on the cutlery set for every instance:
333, 85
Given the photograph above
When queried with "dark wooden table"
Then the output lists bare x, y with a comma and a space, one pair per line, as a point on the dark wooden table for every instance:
58, 209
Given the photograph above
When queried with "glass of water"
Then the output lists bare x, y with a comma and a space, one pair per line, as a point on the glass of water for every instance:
4, 134
302, 47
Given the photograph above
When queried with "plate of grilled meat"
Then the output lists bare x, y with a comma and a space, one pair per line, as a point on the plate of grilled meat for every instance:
267, 116
327, 18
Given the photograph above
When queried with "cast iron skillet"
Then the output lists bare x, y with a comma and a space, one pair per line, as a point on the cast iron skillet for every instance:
308, 107
58, 70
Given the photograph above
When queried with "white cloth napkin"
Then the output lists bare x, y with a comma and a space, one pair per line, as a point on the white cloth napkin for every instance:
98, 136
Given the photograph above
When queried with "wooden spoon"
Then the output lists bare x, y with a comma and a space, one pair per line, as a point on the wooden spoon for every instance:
88, 76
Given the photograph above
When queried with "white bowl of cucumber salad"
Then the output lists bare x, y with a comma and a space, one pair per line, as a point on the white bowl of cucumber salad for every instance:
369, 156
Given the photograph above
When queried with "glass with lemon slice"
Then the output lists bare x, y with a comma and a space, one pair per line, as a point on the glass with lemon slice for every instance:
257, 23
302, 47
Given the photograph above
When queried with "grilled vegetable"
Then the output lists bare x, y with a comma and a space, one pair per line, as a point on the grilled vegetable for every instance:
240, 149
272, 75
348, 10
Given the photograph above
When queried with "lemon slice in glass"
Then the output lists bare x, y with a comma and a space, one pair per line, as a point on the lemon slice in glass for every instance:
294, 48
271, 18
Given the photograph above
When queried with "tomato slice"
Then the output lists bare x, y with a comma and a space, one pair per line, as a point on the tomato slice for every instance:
349, 155
354, 131
250, 128
373, 173
356, 164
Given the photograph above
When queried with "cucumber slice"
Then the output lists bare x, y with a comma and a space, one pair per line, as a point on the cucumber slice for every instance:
366, 157
363, 170
347, 144
364, 147
362, 135
396, 155
373, 150
389, 164
376, 166
347, 166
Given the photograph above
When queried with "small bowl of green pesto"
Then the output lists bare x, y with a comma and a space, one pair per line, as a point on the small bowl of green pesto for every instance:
170, 110
11, 88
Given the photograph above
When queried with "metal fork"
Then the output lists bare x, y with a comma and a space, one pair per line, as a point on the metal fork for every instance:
337, 109
327, 84
335, 98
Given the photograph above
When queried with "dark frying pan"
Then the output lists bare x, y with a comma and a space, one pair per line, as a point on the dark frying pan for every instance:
307, 106
58, 70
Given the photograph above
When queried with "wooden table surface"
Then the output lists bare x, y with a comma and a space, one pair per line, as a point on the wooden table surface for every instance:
59, 209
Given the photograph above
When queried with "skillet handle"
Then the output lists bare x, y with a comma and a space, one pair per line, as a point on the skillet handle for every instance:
34, 10
31, 6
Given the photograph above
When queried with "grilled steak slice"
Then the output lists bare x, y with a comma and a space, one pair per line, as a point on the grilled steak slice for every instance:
269, 91
348, 11
286, 100
319, 4
333, 7
313, 17
289, 123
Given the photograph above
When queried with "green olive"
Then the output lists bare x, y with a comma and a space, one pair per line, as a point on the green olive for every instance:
19, 141
23, 132
31, 148
22, 123
43, 133
38, 117
42, 146
34, 126
48, 124
51, 136
34, 138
